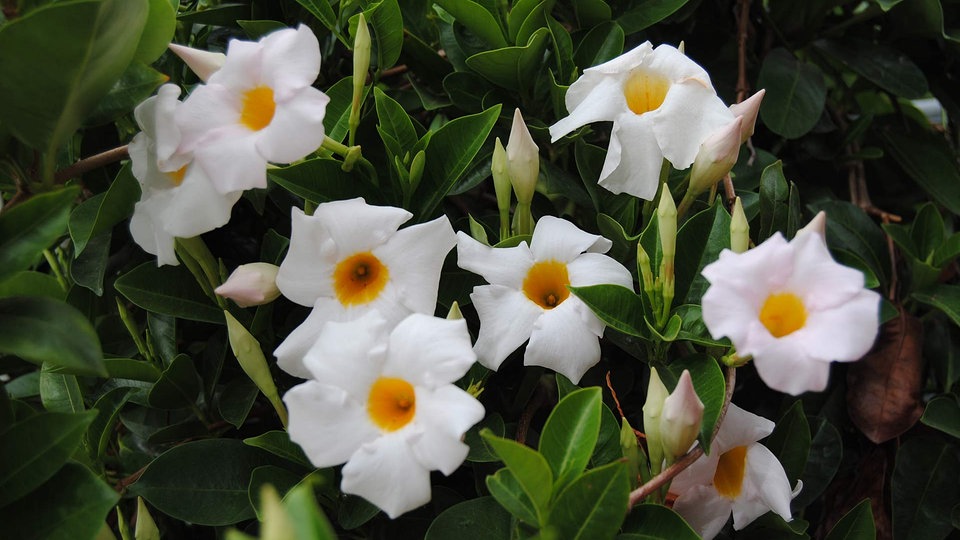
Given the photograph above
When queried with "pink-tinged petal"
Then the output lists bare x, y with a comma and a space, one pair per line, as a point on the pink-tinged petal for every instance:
232, 164
786, 367
565, 339
291, 60
327, 423
700, 473
351, 354
386, 473
153, 239
415, 257
306, 272
748, 109
821, 282
740, 428
844, 333
499, 266
689, 114
704, 510
252, 284
296, 129
727, 313
596, 269
597, 100
444, 415
675, 65
637, 170
202, 63
507, 319
557, 239
355, 226
429, 351
756, 272
205, 111
242, 68
765, 487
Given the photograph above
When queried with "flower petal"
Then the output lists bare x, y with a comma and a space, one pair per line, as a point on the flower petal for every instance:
701, 472
386, 473
291, 60
507, 319
355, 226
414, 257
596, 269
350, 355
846, 332
327, 423
429, 351
704, 510
195, 206
765, 487
823, 283
232, 163
296, 128
208, 109
306, 272
740, 428
565, 339
499, 266
785, 366
153, 239
690, 112
636, 171
444, 415
242, 67
597, 99
559, 240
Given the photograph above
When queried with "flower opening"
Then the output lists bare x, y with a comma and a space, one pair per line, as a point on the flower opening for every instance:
176, 177
783, 314
728, 480
392, 403
359, 279
546, 284
645, 91
258, 108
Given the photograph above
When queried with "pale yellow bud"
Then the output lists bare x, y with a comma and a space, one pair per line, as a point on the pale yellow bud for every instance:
652, 408
523, 160
739, 228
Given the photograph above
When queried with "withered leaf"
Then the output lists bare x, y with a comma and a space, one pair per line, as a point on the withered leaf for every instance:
883, 389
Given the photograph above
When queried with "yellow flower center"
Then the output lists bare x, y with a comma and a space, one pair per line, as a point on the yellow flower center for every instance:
645, 92
258, 108
783, 314
546, 284
176, 177
728, 480
359, 278
392, 403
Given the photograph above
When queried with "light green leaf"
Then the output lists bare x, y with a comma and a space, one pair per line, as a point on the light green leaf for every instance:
43, 330
529, 468
795, 96
308, 519
570, 434
395, 121
594, 505
508, 491
171, 290
157, 31
60, 393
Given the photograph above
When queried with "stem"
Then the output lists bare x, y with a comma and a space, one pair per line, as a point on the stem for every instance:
523, 218
134, 332
91, 163
55, 266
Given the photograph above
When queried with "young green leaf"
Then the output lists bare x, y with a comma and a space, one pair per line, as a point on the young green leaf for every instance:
570, 434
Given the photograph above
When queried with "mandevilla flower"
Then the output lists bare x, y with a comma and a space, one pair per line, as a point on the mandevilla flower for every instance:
680, 418
383, 402
792, 308
523, 159
252, 284
178, 199
718, 154
349, 258
748, 109
662, 105
652, 409
740, 476
258, 107
528, 297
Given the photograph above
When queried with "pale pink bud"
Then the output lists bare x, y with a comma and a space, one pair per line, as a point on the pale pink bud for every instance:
203, 63
680, 418
251, 284
748, 109
718, 154
523, 159
817, 225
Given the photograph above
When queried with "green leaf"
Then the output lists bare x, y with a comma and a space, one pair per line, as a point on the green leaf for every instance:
178, 386
774, 194
884, 66
256, 29
157, 31
480, 450
320, 180
323, 12
135, 85
476, 519
790, 441
654, 521
924, 488
387, 22
43, 330
236, 400
857, 524
851, 229
795, 96
570, 434
171, 290
692, 327
278, 443
709, 383
699, 243
336, 121
281, 479
60, 393
943, 413
225, 14
100, 432
308, 519
617, 306
47, 86
34, 449
449, 153
594, 505
395, 122
203, 482
89, 269
71, 505
477, 19
928, 159
946, 298
27, 283
528, 467
355, 511
603, 42
508, 491
126, 368
29, 228
646, 13
823, 461
512, 67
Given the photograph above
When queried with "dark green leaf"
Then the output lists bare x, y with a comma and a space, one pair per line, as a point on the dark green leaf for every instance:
884, 66
594, 505
100, 432
795, 96
477, 19
278, 443
89, 268
570, 434
699, 243
29, 228
43, 330
135, 85
529, 468
790, 441
694, 329
924, 488
225, 14
60, 393
259, 28
336, 121
943, 413
476, 519
281, 479
171, 290
929, 160
856, 525
511, 67
27, 283
603, 42
387, 22
480, 451
355, 511
646, 13
654, 521
101, 212
319, 180
823, 461
946, 298
236, 400
178, 386
774, 194
322, 11
126, 368
618, 307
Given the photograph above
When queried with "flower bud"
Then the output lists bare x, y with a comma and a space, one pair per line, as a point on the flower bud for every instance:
202, 63
748, 109
652, 408
523, 160
817, 225
250, 356
501, 186
718, 154
251, 284
680, 418
667, 227
277, 523
455, 313
739, 229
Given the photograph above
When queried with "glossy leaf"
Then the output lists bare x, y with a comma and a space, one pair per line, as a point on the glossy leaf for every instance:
60, 393
823, 460
43, 330
646, 13
100, 432
178, 385
884, 66
928, 159
322, 10
653, 521
477, 19
29, 228
699, 243
480, 450
617, 306
170, 290
28, 283
509, 492
774, 195
943, 413
386, 20
136, 84
851, 229
528, 467
594, 505
476, 519
570, 434
511, 67
278, 443
946, 298
101, 212
795, 96
320, 180
602, 43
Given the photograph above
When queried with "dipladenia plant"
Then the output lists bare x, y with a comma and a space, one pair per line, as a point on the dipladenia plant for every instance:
461, 270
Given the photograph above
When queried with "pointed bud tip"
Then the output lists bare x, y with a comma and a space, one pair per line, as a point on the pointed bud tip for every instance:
202, 63
251, 284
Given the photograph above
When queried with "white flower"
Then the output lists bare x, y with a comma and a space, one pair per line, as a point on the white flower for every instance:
252, 284
258, 107
792, 308
680, 418
177, 198
662, 105
383, 402
528, 297
740, 476
349, 258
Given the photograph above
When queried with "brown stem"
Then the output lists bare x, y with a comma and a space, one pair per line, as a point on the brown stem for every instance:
526, 417
690, 457
742, 22
91, 163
